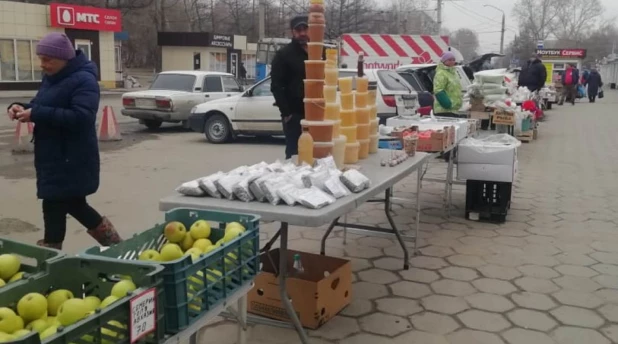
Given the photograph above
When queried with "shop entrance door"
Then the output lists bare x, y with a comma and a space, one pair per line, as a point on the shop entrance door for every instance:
84, 46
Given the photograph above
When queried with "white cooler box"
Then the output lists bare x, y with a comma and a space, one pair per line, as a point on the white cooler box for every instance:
493, 158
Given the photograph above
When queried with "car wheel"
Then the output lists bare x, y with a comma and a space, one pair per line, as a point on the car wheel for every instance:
217, 129
152, 124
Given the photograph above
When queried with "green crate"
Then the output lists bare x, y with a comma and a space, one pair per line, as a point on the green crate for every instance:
86, 276
188, 295
34, 259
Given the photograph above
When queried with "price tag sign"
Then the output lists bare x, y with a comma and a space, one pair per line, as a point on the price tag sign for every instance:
143, 317
505, 118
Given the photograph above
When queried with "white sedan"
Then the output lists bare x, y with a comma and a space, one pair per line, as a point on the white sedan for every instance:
254, 113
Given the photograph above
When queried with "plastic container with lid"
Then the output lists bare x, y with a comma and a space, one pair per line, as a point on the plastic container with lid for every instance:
362, 132
362, 115
339, 151
351, 153
316, 2
374, 142
321, 131
322, 149
331, 76
374, 126
332, 111
345, 84
314, 109
316, 30
314, 88
371, 97
348, 117
317, 8
314, 69
360, 100
373, 112
336, 128
347, 101
351, 133
362, 84
330, 94
305, 148
363, 151
315, 50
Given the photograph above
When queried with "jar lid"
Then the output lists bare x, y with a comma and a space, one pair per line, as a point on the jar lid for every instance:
363, 125
314, 100
315, 43
347, 111
314, 80
316, 62
340, 139
352, 144
324, 123
349, 128
366, 141
362, 93
323, 144
374, 136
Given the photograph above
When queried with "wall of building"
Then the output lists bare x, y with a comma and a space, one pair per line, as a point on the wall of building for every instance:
108, 63
212, 58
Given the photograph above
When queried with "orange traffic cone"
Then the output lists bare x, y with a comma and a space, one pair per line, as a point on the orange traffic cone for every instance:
23, 138
108, 129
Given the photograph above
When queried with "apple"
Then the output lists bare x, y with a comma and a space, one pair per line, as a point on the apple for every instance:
200, 229
39, 325
5, 337
187, 242
212, 272
231, 260
9, 321
175, 231
108, 301
195, 254
202, 244
235, 225
197, 281
111, 331
122, 288
171, 252
50, 331
150, 255
72, 311
21, 333
220, 243
55, 299
17, 276
211, 248
32, 306
92, 302
2, 283
9, 266
232, 233
51, 321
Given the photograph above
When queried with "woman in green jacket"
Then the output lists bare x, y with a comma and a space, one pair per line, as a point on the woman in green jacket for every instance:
447, 87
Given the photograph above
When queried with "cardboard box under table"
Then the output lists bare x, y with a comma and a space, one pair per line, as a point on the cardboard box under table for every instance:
382, 179
318, 294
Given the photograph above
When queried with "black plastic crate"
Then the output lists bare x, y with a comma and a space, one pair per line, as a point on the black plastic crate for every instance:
490, 200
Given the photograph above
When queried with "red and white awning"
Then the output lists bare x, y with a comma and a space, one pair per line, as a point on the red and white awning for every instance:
413, 49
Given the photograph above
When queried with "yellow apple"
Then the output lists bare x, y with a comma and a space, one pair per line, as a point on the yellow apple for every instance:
200, 229
108, 301
195, 254
50, 331
111, 330
232, 233
5, 337
17, 276
171, 252
211, 248
32, 306
21, 333
122, 288
187, 242
150, 255
2, 283
56, 298
9, 321
9, 266
220, 243
72, 311
202, 244
38, 325
92, 302
234, 225
175, 231
51, 321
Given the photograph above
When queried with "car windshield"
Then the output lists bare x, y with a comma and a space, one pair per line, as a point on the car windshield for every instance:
411, 79
174, 82
392, 81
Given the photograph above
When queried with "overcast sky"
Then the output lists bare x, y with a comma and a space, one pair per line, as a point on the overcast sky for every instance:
487, 21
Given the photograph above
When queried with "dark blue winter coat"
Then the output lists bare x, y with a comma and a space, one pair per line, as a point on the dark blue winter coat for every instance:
66, 151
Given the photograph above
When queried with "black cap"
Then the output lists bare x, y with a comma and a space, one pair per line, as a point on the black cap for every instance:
299, 20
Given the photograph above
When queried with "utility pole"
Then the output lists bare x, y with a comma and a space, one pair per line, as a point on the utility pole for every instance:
261, 20
439, 16
503, 31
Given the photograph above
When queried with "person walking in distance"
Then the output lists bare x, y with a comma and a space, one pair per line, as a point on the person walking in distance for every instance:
570, 79
287, 75
594, 84
533, 75
242, 73
66, 152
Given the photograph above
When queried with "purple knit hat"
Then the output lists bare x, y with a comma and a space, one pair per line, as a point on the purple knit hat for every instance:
56, 45
447, 56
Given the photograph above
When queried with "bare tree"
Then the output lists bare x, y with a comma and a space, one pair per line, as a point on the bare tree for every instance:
576, 19
467, 42
538, 16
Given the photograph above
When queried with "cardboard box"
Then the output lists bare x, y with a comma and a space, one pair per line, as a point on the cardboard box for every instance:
487, 172
438, 142
316, 298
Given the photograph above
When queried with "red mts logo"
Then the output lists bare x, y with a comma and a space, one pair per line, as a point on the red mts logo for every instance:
85, 18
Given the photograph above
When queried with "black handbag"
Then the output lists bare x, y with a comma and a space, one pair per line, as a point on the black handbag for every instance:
601, 95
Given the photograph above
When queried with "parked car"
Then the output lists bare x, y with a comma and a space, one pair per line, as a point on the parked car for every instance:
173, 94
254, 112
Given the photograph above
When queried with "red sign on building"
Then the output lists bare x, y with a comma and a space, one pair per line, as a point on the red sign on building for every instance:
562, 53
85, 18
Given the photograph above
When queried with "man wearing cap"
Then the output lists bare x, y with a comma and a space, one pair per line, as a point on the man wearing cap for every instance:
533, 75
287, 75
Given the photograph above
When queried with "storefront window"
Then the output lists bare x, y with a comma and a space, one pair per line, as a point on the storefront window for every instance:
217, 62
36, 65
249, 61
7, 60
24, 61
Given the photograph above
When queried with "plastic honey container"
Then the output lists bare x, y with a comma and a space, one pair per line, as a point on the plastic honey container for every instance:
351, 152
345, 84
315, 50
351, 133
321, 131
314, 88
362, 115
362, 132
332, 111
330, 93
374, 126
348, 117
373, 112
336, 128
314, 109
371, 97
363, 151
314, 69
316, 29
374, 141
331, 76
360, 100
347, 100
316, 2
339, 151
322, 149
362, 84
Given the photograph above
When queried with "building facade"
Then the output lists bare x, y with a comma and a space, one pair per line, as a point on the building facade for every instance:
22, 25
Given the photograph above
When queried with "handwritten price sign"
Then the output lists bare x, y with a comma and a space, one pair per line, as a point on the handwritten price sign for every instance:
505, 118
143, 318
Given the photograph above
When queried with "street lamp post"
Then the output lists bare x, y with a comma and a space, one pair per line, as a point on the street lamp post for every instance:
503, 27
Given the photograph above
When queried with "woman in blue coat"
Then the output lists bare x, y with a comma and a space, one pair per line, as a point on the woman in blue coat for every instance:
66, 152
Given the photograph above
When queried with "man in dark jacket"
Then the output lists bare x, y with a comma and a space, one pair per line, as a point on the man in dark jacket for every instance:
66, 152
570, 80
594, 83
287, 75
533, 75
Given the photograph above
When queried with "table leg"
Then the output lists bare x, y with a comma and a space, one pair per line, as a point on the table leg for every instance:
325, 236
242, 320
283, 293
449, 183
419, 178
387, 205
345, 229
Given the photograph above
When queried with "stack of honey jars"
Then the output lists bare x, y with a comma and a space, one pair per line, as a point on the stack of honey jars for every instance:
374, 136
332, 109
321, 129
349, 129
362, 116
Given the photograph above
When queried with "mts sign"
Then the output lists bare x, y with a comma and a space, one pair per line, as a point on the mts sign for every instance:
85, 18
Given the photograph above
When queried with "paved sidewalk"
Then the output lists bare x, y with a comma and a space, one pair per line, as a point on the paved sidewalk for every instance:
548, 275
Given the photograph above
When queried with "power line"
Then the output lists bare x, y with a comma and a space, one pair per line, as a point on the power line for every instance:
471, 13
